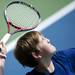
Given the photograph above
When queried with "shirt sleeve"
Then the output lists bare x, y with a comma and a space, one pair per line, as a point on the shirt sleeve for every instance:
70, 54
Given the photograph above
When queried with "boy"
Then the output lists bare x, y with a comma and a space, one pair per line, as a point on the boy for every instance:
34, 50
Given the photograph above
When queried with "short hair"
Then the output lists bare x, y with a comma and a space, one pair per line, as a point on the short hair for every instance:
25, 46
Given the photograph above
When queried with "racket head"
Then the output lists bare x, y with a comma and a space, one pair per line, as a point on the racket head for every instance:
21, 16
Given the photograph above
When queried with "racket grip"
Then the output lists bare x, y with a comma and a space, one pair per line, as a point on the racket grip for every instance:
5, 38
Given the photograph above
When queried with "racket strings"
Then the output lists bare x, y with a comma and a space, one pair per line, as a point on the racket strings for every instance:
22, 16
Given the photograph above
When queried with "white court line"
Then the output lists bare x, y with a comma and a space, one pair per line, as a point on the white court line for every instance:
55, 17
48, 22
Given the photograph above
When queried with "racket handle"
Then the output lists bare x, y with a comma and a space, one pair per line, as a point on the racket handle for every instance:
5, 38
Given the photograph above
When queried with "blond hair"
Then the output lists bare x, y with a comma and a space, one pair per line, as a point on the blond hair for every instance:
25, 46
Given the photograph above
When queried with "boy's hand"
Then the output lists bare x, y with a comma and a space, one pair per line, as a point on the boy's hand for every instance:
3, 50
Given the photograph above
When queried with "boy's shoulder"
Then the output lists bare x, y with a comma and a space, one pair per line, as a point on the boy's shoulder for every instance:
66, 53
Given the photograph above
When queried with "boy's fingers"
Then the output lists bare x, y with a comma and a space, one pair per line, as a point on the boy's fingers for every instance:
3, 45
3, 48
0, 44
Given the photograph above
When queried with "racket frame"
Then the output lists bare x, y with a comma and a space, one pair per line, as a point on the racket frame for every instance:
18, 29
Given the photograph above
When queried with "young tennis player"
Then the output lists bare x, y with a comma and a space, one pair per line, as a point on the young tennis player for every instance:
34, 50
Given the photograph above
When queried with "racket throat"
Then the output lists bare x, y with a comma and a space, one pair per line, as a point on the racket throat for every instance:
8, 26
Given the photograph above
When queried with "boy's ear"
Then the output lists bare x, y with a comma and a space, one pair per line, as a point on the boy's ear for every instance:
36, 54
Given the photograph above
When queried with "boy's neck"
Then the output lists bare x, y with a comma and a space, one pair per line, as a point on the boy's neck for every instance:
46, 67
51, 67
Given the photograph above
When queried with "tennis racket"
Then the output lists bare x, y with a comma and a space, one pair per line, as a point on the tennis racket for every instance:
20, 16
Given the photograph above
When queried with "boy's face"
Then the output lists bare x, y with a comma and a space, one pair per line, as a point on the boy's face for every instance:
45, 46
